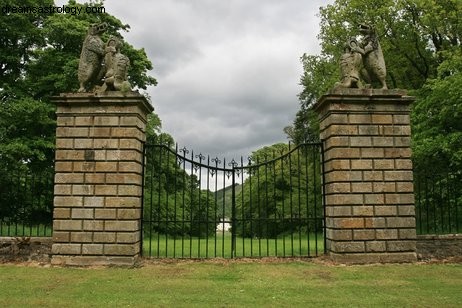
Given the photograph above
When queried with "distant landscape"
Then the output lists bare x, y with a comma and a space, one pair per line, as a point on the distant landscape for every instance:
224, 199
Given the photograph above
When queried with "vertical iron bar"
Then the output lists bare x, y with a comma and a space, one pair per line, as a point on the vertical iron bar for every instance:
283, 207
427, 206
259, 216
216, 206
40, 195
299, 184
448, 194
243, 220
266, 206
143, 183
276, 220
233, 212
167, 200
224, 214
291, 204
443, 200
323, 191
191, 211
207, 209
175, 191
435, 214
183, 190
19, 202
307, 203
151, 201
199, 208
313, 151
456, 203
159, 202
250, 217
32, 202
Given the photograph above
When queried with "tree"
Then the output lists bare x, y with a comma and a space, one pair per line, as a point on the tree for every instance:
39, 55
421, 41
65, 34
437, 119
282, 193
316, 80
175, 204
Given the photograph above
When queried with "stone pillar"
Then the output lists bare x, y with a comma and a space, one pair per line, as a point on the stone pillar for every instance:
370, 215
98, 181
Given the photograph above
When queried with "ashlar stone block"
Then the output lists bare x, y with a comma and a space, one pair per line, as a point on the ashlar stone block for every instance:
370, 200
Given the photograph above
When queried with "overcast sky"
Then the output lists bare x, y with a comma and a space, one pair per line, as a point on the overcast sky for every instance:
228, 71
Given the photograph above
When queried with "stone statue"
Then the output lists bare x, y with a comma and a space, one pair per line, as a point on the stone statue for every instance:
116, 68
373, 61
91, 57
351, 63
363, 61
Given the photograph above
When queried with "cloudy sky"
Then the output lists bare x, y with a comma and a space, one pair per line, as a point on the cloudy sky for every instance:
228, 71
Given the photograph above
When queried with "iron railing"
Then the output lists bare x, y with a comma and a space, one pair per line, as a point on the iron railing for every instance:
26, 202
269, 205
438, 200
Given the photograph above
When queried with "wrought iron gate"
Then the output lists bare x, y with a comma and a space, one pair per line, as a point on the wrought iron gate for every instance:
270, 205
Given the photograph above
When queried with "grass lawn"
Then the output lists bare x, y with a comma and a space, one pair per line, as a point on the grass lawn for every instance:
292, 245
221, 283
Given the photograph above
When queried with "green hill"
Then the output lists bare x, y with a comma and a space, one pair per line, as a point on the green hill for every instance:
224, 199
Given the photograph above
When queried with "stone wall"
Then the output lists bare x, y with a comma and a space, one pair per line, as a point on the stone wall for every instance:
439, 246
368, 175
25, 249
98, 181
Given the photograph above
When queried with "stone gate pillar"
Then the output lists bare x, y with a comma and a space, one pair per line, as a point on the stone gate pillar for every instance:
98, 181
370, 214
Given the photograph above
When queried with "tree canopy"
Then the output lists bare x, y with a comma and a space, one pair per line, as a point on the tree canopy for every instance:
422, 44
39, 56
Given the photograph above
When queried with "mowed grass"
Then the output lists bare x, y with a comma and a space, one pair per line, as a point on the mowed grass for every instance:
221, 283
293, 245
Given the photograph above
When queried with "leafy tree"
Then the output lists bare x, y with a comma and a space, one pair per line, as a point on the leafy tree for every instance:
39, 57
421, 41
175, 204
281, 193
65, 34
25, 133
437, 119
19, 34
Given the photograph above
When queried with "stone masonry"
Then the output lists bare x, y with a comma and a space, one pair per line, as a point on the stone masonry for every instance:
98, 181
370, 215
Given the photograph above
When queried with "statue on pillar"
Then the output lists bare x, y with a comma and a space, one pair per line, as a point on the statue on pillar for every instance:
117, 64
362, 60
350, 66
102, 67
374, 63
91, 57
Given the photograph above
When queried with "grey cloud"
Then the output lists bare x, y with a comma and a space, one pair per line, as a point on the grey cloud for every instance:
228, 71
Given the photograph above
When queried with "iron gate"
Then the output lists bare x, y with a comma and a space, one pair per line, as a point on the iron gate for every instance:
270, 205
